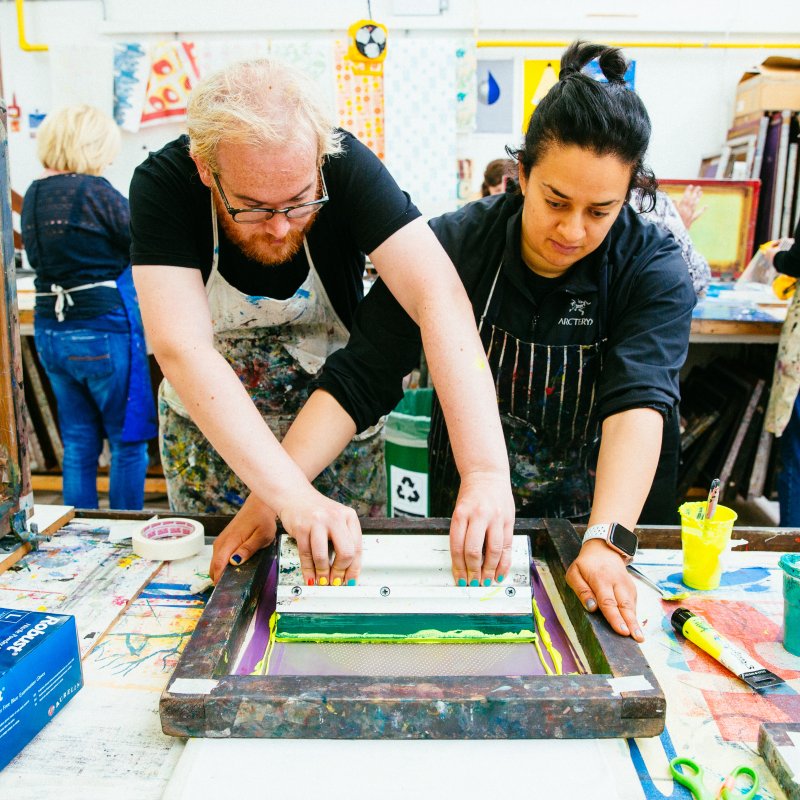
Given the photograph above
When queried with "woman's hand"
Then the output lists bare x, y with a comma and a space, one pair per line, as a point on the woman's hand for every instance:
252, 528
687, 206
313, 520
771, 249
481, 529
599, 578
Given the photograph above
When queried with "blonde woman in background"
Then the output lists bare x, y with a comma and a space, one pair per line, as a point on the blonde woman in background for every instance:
88, 331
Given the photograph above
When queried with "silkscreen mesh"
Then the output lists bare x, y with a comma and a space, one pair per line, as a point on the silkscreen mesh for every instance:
397, 660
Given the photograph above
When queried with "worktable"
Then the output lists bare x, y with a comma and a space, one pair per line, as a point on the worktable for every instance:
134, 618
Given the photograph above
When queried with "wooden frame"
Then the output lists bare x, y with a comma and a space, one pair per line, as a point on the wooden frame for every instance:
725, 232
772, 738
16, 500
709, 165
203, 699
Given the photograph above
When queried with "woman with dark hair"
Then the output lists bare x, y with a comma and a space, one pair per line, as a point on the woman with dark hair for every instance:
584, 312
498, 177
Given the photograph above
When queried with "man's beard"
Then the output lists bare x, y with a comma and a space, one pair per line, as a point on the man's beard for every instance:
258, 246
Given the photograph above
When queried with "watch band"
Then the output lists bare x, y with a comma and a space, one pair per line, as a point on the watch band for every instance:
599, 531
603, 531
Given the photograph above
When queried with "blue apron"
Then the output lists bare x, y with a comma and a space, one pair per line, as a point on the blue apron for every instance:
141, 422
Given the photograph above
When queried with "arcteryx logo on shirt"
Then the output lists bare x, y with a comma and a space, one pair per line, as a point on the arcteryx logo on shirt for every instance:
579, 307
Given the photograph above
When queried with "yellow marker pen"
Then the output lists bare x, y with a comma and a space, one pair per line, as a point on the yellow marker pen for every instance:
701, 633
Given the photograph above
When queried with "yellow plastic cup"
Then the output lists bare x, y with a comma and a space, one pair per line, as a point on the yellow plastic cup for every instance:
704, 541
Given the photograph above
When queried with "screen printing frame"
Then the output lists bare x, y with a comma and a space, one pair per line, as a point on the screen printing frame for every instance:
203, 699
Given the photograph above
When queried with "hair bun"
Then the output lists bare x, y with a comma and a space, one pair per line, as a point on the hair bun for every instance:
613, 65
568, 70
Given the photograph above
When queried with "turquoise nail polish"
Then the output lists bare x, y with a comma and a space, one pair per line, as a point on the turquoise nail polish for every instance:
500, 578
462, 581
351, 582
487, 581
474, 582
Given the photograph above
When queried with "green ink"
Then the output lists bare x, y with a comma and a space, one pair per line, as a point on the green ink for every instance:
403, 628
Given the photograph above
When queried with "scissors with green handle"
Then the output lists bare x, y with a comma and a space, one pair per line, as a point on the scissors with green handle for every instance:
729, 790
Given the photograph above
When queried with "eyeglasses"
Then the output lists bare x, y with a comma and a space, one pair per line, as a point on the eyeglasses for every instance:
252, 216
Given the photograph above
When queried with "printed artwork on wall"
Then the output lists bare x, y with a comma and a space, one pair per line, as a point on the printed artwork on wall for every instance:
466, 86
314, 57
539, 77
211, 55
173, 72
131, 70
592, 69
420, 86
359, 100
495, 95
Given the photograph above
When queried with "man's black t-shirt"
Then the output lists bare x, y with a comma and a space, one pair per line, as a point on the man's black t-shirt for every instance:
171, 224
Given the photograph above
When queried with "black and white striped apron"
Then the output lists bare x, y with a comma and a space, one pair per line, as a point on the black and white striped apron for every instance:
546, 398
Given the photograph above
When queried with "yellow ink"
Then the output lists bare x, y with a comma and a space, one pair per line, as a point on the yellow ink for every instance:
541, 625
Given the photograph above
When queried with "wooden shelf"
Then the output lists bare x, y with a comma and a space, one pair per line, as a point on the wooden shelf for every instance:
53, 483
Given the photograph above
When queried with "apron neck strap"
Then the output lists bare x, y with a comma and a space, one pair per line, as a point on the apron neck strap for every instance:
491, 294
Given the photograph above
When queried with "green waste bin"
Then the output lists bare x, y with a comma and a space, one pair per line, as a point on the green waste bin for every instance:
406, 449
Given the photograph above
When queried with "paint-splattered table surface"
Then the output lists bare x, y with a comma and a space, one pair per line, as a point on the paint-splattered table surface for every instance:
134, 617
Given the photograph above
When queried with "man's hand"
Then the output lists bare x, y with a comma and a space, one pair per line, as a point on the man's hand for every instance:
481, 529
252, 528
313, 520
599, 578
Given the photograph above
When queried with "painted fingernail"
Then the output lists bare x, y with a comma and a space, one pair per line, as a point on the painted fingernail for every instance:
337, 581
462, 581
487, 581
311, 581
591, 604
638, 633
500, 578
624, 629
474, 582
351, 582
323, 581
236, 559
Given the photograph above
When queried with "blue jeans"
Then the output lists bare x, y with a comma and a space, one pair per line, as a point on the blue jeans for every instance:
789, 475
87, 362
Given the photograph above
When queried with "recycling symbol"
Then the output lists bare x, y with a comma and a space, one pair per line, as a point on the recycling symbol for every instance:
401, 491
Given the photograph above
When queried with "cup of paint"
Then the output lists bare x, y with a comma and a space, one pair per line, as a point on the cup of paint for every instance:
704, 543
790, 564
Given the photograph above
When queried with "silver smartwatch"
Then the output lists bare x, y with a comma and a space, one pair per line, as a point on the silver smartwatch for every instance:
616, 536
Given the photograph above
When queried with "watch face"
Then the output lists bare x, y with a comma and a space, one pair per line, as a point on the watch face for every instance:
624, 539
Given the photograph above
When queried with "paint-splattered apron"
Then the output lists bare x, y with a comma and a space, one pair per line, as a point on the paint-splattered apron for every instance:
275, 347
545, 394
786, 378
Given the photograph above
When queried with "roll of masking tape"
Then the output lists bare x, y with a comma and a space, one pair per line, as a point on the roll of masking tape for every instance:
168, 539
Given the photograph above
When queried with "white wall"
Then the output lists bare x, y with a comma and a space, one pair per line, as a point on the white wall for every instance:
689, 92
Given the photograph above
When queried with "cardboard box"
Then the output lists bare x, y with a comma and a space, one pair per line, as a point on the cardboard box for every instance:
772, 86
40, 671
